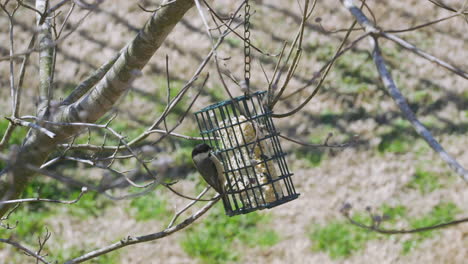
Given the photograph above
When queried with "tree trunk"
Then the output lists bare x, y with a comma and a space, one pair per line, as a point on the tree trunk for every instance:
37, 146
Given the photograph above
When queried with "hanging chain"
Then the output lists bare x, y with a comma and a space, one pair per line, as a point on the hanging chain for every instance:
247, 58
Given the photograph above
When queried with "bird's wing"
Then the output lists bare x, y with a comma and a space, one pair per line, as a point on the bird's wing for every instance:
211, 170
219, 167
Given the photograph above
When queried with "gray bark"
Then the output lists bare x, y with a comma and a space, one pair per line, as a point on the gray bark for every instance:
37, 146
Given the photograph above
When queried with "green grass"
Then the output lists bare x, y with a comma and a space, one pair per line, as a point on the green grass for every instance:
219, 238
183, 154
151, 206
399, 139
394, 144
422, 97
393, 213
339, 238
29, 224
90, 204
33, 217
18, 134
442, 213
233, 41
424, 181
217, 94
62, 255
161, 95
312, 156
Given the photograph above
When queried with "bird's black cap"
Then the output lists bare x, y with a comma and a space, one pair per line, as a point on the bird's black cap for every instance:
200, 148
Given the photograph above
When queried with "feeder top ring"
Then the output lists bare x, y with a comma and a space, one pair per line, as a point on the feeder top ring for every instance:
227, 102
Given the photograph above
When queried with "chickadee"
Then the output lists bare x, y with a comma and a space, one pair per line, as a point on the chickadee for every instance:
209, 167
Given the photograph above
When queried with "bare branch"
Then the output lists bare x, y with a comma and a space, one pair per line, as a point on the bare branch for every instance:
157, 8
28, 200
318, 74
65, 21
181, 211
377, 220
295, 62
442, 5
352, 142
45, 60
7, 216
42, 242
48, 45
422, 25
395, 92
371, 28
233, 30
322, 79
85, 5
19, 122
150, 237
408, 113
16, 93
425, 55
89, 82
56, 6
24, 249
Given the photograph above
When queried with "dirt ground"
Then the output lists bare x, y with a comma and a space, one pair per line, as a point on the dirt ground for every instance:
361, 175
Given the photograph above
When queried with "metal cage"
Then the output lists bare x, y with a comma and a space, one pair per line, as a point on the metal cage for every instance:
243, 137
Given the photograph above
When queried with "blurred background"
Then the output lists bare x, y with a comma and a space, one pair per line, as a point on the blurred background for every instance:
389, 169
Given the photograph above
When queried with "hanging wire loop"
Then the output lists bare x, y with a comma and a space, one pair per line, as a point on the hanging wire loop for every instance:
247, 58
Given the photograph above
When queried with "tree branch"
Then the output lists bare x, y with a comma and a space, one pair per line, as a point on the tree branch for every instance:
28, 200
37, 146
408, 113
45, 59
425, 55
150, 237
24, 249
395, 92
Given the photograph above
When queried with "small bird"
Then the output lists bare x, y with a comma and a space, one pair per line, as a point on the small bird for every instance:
209, 166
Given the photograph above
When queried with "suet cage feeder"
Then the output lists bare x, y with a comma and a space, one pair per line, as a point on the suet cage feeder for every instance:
243, 137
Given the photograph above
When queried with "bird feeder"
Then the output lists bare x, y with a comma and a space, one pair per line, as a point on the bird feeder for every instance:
243, 137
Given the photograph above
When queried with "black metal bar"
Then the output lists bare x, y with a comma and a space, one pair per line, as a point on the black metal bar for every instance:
218, 124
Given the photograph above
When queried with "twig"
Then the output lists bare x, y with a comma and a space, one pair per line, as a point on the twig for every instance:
395, 92
422, 25
90, 81
322, 79
295, 62
70, 11
425, 55
442, 5
20, 122
371, 28
181, 211
324, 67
16, 93
45, 59
42, 242
352, 142
140, 239
48, 45
7, 216
377, 220
408, 113
24, 249
28, 200
235, 32
157, 8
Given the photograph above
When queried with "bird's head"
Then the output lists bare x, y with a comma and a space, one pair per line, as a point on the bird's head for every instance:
201, 148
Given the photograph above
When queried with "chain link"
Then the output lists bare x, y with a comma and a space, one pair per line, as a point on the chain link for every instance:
247, 58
